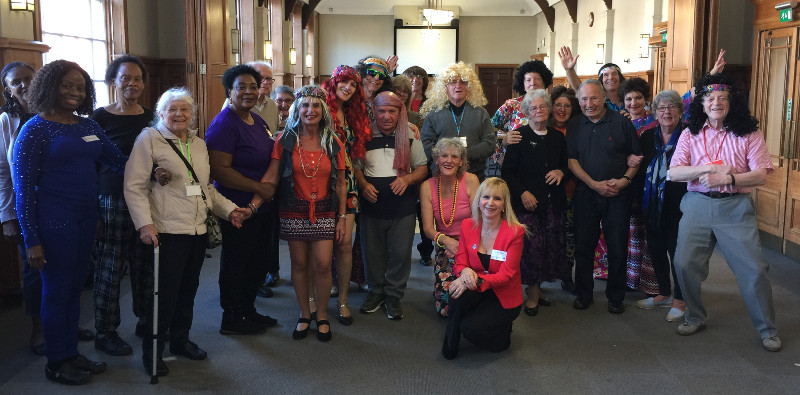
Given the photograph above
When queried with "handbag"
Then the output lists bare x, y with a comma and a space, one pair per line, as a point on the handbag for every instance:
213, 231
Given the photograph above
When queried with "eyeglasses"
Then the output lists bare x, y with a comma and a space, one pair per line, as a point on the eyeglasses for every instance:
270, 79
375, 73
539, 108
562, 105
462, 82
666, 108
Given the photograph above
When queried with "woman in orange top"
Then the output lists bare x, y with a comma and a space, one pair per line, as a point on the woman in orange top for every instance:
309, 162
487, 296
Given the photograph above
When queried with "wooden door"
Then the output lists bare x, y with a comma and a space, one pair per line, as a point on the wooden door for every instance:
690, 41
208, 56
497, 81
774, 108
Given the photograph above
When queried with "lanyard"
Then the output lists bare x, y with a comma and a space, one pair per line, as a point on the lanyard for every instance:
458, 123
187, 154
710, 159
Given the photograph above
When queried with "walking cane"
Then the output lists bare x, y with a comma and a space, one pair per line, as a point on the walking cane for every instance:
154, 376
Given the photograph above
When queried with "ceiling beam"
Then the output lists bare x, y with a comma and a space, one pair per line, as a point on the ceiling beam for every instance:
608, 4
288, 8
308, 11
549, 13
572, 9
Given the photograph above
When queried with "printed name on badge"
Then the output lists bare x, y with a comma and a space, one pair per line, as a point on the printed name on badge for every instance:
499, 255
193, 190
90, 138
463, 140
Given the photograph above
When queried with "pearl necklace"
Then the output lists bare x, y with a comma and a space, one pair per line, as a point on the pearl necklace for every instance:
455, 199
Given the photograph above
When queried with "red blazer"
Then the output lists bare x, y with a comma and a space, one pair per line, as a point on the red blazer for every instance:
503, 276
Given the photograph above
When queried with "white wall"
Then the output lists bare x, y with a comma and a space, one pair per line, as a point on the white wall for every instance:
501, 40
344, 39
143, 28
15, 24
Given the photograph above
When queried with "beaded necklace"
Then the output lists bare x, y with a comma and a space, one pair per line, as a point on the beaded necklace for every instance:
303, 165
455, 199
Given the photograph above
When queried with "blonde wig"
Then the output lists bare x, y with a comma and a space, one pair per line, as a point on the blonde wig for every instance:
437, 96
498, 186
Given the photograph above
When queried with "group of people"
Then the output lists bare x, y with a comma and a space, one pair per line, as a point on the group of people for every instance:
343, 170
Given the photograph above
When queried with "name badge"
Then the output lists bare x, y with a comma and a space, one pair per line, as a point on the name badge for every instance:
90, 138
498, 255
716, 162
463, 140
193, 190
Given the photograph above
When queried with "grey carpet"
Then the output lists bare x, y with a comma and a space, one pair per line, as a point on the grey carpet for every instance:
559, 351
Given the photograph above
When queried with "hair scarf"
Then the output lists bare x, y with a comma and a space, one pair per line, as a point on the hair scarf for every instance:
402, 145
656, 177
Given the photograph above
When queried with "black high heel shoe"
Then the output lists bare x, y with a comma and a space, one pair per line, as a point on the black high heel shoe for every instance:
301, 334
326, 336
346, 321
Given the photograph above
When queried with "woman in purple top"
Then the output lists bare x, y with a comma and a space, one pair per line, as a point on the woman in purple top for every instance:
239, 149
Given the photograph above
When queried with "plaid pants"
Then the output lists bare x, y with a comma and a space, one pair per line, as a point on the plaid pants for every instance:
118, 250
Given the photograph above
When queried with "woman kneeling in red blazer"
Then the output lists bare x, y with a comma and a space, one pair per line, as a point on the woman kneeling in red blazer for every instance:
487, 296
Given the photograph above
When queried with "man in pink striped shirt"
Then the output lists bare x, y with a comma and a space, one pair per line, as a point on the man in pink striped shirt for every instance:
722, 157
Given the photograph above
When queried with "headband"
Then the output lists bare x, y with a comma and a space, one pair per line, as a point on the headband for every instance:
310, 91
609, 68
377, 62
402, 146
716, 87
346, 73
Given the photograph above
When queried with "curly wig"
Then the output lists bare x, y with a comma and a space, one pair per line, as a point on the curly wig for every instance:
532, 66
438, 98
355, 110
416, 71
232, 73
635, 84
113, 67
569, 93
364, 64
43, 92
619, 72
11, 105
738, 121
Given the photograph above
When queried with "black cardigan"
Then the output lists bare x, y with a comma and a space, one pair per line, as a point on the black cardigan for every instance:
526, 164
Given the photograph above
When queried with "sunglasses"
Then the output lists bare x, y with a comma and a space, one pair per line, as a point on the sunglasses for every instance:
375, 73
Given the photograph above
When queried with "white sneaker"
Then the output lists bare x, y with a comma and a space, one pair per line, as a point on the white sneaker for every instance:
771, 343
675, 314
650, 303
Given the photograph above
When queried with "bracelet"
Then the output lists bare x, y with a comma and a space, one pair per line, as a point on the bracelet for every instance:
733, 180
438, 235
342, 215
253, 207
627, 178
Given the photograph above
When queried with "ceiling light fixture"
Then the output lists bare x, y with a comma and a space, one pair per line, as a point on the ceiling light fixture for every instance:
435, 15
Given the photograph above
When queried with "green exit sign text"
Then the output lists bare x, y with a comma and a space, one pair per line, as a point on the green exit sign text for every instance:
786, 15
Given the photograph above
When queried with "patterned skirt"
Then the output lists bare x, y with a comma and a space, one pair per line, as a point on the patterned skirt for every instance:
640, 266
601, 257
442, 277
569, 227
296, 226
544, 255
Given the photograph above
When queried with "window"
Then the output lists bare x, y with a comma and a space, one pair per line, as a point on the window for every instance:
75, 30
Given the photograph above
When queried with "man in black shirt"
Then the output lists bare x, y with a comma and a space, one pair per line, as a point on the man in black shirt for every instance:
598, 144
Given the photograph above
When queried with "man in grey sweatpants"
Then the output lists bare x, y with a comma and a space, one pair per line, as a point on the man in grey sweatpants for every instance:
393, 163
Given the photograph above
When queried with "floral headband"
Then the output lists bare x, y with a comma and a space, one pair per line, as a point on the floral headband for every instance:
615, 68
310, 91
347, 73
717, 88
377, 62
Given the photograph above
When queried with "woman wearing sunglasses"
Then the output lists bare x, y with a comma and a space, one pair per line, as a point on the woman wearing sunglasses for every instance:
375, 79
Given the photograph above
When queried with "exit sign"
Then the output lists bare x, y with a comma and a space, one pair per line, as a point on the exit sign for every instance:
786, 15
